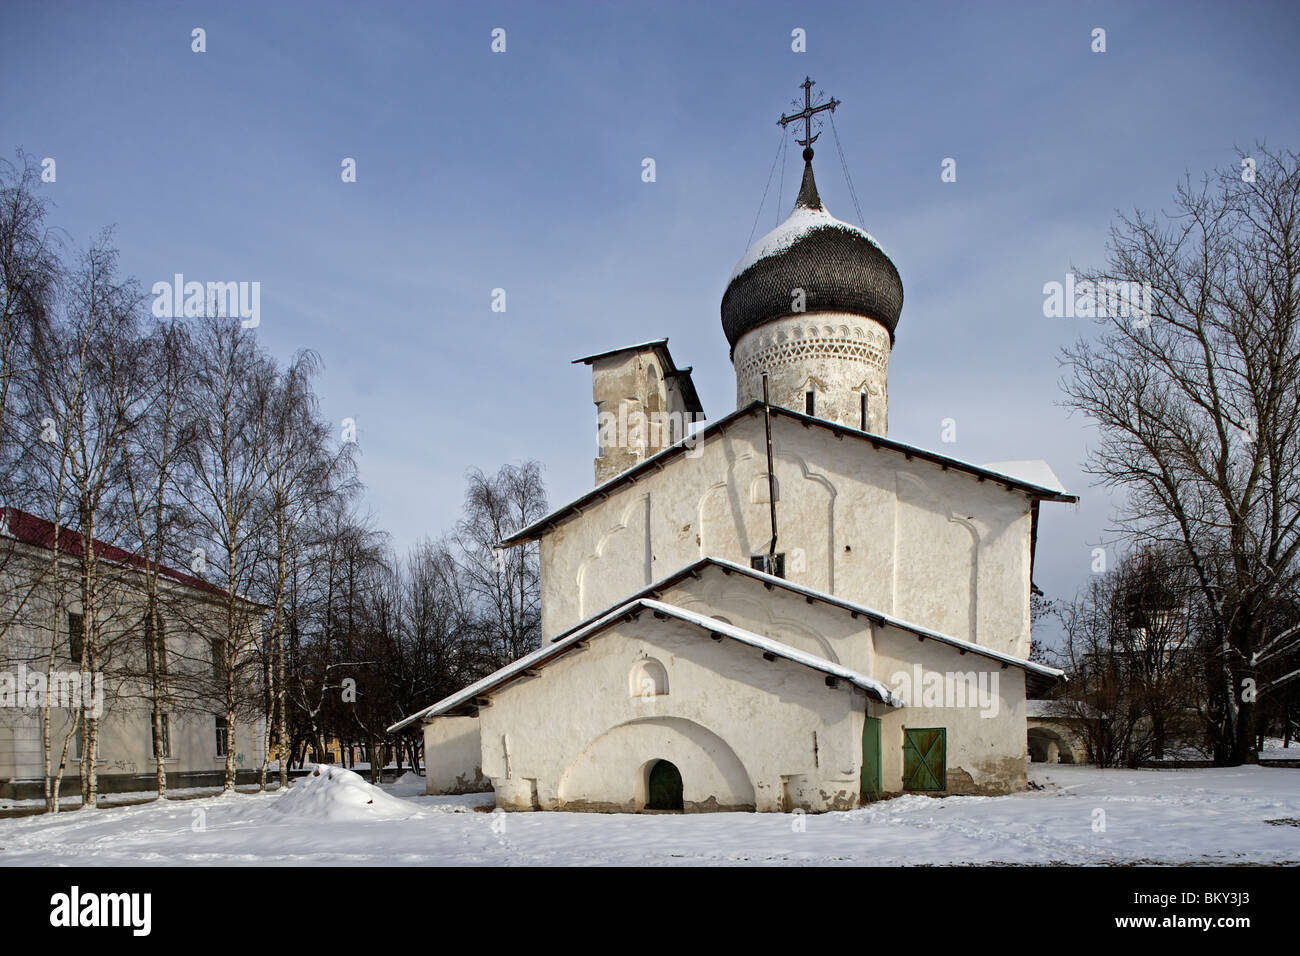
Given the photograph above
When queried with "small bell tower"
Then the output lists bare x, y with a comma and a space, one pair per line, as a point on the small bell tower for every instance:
644, 403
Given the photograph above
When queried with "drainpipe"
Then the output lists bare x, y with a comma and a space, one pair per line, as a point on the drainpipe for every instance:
771, 476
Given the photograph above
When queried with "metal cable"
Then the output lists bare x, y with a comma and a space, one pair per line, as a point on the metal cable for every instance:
779, 149
853, 193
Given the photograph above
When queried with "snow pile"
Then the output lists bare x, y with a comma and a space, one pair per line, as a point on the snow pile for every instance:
409, 784
333, 793
799, 224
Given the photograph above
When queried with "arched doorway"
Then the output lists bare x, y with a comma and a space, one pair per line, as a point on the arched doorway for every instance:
664, 787
1047, 746
612, 773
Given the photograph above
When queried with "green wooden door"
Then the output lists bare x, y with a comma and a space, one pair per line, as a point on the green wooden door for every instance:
871, 759
924, 758
665, 787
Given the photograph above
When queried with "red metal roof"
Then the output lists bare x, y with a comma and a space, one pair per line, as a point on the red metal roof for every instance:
38, 532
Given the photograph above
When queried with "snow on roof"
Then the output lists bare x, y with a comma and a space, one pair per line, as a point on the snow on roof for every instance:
545, 654
692, 440
799, 223
1033, 471
890, 620
869, 684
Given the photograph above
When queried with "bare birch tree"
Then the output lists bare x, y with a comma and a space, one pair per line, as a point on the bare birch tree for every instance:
151, 461
86, 380
504, 583
303, 471
229, 431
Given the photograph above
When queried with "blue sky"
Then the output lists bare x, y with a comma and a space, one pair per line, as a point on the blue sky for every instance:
522, 171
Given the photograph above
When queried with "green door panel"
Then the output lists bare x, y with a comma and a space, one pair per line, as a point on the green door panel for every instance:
871, 759
925, 753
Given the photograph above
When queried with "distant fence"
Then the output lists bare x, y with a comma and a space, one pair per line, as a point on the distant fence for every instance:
1292, 764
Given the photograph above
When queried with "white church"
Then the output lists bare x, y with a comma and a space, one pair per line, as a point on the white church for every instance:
782, 609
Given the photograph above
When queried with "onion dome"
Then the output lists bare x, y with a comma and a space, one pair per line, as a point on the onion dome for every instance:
839, 267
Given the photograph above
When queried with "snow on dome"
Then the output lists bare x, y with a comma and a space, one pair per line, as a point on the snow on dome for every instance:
339, 795
838, 267
797, 225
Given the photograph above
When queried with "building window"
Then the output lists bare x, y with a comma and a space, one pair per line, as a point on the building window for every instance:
155, 645
223, 734
863, 397
925, 758
219, 671
76, 636
648, 680
773, 564
79, 739
165, 736
810, 403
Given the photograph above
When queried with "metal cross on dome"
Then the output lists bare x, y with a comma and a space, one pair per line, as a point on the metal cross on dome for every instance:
807, 114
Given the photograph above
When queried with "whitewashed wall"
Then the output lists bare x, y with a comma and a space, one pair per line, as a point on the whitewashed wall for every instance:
453, 756
935, 547
744, 732
125, 729
987, 753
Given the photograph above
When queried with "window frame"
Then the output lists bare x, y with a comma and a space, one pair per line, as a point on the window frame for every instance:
759, 562
220, 672
222, 730
77, 650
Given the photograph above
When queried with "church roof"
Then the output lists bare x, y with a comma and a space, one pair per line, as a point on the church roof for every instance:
839, 267
543, 525
1046, 675
527, 665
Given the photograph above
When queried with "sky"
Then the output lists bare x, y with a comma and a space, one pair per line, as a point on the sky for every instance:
522, 170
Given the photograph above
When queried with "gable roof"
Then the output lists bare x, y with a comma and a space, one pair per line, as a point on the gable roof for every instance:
655, 462
530, 663
39, 533
1046, 675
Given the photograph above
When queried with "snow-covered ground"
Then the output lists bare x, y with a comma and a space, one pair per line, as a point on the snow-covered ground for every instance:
119, 799
1083, 816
